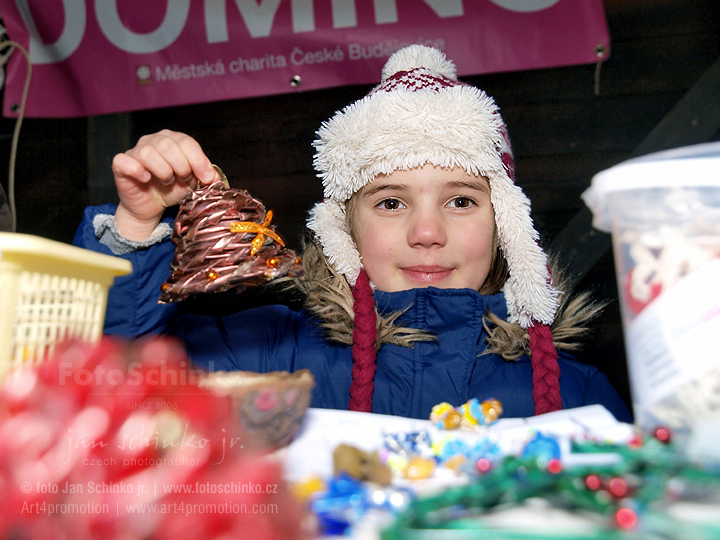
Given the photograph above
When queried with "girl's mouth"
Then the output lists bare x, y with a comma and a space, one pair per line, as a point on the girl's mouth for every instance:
426, 274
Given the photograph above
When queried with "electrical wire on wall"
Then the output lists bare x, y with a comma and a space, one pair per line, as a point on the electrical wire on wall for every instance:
6, 49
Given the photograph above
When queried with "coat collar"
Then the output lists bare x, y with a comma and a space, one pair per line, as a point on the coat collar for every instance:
432, 306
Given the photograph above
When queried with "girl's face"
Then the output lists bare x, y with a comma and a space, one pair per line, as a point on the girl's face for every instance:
425, 227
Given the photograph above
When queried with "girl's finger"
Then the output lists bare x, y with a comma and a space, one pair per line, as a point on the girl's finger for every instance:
163, 159
124, 165
200, 164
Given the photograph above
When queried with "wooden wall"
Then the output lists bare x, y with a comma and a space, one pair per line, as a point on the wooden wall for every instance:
566, 124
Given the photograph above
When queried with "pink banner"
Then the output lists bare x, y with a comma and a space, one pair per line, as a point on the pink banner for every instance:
104, 56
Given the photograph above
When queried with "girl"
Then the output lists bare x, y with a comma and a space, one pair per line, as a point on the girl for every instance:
425, 282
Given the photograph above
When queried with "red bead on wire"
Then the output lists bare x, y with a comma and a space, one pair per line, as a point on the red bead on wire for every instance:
663, 435
593, 482
626, 518
618, 487
554, 466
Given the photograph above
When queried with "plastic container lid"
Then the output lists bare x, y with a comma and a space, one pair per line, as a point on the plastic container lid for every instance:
688, 166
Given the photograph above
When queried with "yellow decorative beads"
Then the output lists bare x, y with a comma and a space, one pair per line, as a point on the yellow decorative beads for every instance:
307, 487
470, 414
419, 468
445, 416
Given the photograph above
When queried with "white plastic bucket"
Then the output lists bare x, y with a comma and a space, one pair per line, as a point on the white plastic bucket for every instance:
663, 211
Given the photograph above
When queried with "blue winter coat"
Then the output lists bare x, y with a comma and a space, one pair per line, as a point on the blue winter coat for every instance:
408, 381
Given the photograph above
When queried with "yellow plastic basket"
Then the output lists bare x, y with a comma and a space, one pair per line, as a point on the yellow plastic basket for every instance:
50, 291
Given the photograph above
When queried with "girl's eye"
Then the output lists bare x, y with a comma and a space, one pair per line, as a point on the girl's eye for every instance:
461, 202
390, 204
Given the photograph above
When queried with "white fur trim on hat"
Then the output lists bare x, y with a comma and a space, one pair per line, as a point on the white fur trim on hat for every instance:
419, 114
327, 221
387, 131
529, 293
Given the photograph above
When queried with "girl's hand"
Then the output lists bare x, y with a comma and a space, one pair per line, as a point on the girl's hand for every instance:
156, 174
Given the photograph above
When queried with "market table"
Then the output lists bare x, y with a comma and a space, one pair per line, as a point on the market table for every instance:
310, 455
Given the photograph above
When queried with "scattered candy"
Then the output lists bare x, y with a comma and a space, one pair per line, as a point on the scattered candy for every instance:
397, 462
618, 484
469, 415
455, 463
340, 505
439, 416
419, 468
415, 442
346, 500
447, 448
543, 448
361, 465
483, 465
304, 489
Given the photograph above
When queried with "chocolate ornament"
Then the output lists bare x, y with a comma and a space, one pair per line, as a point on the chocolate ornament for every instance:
224, 240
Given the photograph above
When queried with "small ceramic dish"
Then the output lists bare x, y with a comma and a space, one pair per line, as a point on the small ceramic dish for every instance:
270, 406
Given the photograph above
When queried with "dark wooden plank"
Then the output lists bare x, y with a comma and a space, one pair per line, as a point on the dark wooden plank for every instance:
693, 120
50, 175
290, 198
256, 137
659, 64
542, 171
615, 124
632, 19
106, 136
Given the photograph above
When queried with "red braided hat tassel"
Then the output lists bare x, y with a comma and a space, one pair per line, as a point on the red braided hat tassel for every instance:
546, 371
363, 351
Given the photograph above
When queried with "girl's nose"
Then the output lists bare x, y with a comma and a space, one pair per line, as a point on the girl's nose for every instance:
427, 229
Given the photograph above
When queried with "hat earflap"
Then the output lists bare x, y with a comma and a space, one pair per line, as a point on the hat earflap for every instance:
529, 292
327, 220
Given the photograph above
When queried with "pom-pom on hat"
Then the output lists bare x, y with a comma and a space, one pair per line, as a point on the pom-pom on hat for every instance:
421, 114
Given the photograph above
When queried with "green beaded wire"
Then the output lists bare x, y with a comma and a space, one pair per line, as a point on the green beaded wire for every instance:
649, 470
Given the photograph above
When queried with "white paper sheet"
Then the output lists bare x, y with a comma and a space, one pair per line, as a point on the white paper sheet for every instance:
324, 429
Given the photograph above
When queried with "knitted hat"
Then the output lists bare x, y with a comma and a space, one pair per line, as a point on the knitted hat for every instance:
421, 114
